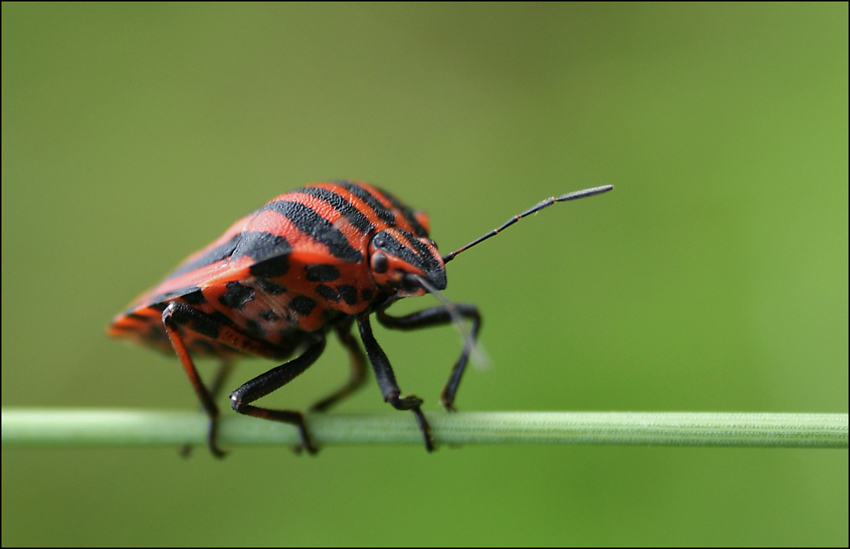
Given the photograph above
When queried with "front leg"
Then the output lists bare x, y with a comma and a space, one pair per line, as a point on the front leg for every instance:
438, 316
386, 380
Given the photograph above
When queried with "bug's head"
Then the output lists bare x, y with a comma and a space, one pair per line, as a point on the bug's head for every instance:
397, 260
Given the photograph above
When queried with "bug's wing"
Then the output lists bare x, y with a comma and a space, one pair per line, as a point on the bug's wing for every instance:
210, 264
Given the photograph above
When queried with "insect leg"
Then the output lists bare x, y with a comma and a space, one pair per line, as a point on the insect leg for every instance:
358, 370
387, 383
221, 375
436, 317
180, 315
271, 381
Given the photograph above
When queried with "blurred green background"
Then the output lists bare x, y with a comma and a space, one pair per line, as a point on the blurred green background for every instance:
713, 278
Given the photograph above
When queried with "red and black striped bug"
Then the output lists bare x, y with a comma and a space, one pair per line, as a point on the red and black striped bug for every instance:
316, 259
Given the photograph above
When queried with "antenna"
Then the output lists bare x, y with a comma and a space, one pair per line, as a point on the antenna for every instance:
545, 204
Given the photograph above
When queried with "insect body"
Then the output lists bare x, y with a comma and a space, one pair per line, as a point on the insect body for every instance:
319, 258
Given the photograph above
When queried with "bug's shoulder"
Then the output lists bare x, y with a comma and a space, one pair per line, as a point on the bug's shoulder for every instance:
380, 208
325, 223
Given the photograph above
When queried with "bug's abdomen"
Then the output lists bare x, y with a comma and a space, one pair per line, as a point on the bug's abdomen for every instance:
249, 316
144, 326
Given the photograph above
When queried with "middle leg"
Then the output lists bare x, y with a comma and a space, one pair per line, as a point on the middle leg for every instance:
358, 370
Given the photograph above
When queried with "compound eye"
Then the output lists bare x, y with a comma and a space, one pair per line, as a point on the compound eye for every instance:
380, 263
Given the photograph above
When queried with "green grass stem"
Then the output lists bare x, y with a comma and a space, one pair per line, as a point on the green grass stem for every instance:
55, 428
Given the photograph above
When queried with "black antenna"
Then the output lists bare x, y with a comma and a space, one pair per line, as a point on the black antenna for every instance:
545, 204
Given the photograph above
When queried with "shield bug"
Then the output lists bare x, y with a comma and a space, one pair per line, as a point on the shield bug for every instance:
318, 259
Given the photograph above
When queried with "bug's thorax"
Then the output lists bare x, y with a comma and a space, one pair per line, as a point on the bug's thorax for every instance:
397, 258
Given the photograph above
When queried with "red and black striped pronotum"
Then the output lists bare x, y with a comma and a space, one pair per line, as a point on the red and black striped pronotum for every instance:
316, 259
